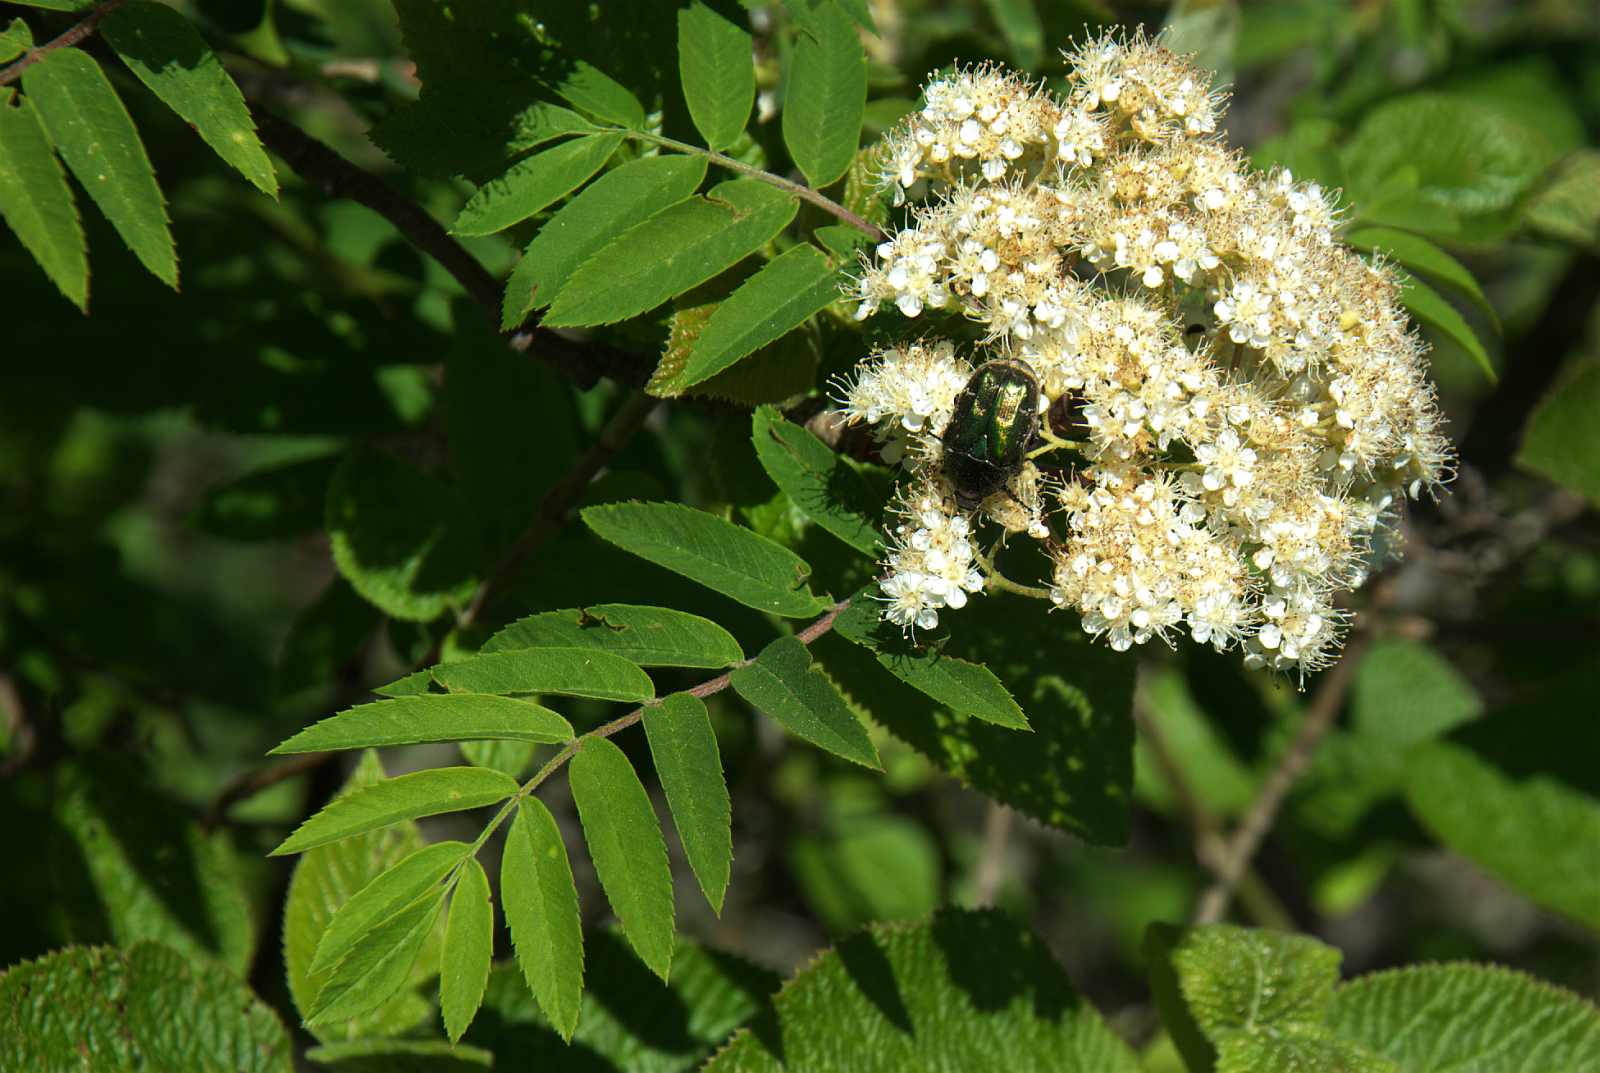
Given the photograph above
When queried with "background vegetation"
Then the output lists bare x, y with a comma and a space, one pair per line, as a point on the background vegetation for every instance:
281, 454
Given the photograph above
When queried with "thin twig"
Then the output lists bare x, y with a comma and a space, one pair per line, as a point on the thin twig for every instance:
247, 784
992, 861
822, 201
77, 32
705, 689
1241, 847
559, 500
1259, 901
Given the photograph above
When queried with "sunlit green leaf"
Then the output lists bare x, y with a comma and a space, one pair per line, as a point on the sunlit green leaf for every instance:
95, 136
165, 51
432, 717
36, 202
540, 903
716, 64
468, 950
783, 683
625, 843
405, 797
676, 249
533, 183
577, 672
684, 749
718, 554
827, 90
649, 636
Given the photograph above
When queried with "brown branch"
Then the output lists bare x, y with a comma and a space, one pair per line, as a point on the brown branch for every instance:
1239, 849
77, 32
1209, 848
992, 861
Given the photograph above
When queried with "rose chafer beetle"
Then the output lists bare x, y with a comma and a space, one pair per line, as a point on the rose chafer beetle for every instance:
995, 420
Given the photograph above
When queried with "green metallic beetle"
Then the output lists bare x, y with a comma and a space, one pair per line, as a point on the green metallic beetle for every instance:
994, 423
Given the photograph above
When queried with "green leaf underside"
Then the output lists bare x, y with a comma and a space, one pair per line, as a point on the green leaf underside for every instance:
613, 203
1561, 440
964, 991
401, 537
1420, 255
165, 52
96, 137
406, 797
631, 1020
1019, 24
323, 880
413, 684
15, 39
591, 89
1472, 1018
730, 559
1468, 159
1259, 1001
37, 204
684, 750
143, 1007
717, 68
391, 891
826, 96
1567, 205
576, 672
783, 683
432, 717
468, 950
534, 183
1539, 835
111, 824
1075, 771
625, 843
1430, 309
966, 688
649, 636
821, 483
1250, 1000
540, 903
676, 249
379, 965
777, 299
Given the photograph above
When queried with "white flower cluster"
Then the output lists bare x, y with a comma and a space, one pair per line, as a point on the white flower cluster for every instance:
1240, 397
